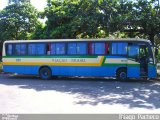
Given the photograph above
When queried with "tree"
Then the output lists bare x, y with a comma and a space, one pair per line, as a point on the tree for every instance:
157, 40
60, 15
39, 32
110, 17
82, 19
17, 21
143, 19
72, 19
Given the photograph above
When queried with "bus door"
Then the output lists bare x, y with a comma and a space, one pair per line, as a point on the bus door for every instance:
147, 65
152, 71
143, 60
133, 65
140, 61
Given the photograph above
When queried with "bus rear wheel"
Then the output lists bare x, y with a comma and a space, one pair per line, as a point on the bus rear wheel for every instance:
45, 73
122, 74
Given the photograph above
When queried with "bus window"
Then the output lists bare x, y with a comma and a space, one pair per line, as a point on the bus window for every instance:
17, 49
53, 49
81, 48
114, 48
119, 48
23, 49
9, 49
36, 49
96, 48
99, 48
32, 49
40, 49
60, 48
20, 49
143, 51
122, 48
133, 51
71, 48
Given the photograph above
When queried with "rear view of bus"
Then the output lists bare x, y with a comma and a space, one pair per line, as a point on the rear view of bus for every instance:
120, 58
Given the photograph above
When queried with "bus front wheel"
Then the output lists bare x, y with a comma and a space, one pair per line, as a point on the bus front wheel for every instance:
45, 73
122, 74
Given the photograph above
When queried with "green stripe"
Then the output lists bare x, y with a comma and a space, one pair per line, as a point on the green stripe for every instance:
121, 64
87, 56
103, 61
133, 65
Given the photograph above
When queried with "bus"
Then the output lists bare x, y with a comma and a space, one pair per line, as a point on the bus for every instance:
120, 58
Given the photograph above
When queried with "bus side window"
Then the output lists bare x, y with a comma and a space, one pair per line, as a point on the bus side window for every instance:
40, 49
17, 49
119, 48
36, 49
71, 48
143, 51
60, 48
23, 49
114, 48
133, 51
32, 49
20, 49
53, 48
122, 48
81, 48
9, 50
99, 48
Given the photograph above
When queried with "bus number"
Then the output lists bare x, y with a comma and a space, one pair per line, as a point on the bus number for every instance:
18, 60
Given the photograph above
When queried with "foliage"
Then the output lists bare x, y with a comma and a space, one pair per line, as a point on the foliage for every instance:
74, 19
143, 19
39, 32
102, 18
157, 40
82, 19
17, 20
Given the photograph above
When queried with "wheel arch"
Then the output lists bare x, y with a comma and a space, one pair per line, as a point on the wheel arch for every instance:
120, 68
121, 73
43, 66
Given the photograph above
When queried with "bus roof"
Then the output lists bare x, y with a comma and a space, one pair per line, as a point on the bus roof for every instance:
71, 40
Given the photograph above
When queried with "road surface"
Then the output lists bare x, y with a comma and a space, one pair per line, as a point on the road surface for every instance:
28, 94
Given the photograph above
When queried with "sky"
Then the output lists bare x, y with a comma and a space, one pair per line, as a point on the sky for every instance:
38, 4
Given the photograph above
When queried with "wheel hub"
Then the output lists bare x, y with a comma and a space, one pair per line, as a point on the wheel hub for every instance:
123, 75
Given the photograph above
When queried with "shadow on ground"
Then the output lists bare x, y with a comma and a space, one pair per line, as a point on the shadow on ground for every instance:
137, 93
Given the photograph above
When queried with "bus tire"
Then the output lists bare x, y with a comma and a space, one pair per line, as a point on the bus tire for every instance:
122, 74
45, 73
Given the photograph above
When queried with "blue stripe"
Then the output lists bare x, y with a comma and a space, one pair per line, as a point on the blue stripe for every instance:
109, 71
104, 71
116, 57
